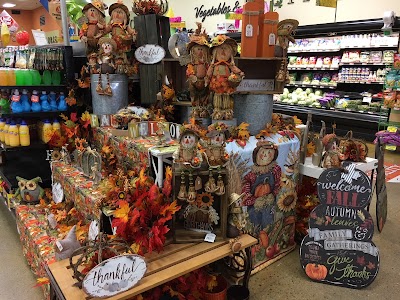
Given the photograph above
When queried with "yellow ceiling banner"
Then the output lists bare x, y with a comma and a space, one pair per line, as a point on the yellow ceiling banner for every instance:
327, 3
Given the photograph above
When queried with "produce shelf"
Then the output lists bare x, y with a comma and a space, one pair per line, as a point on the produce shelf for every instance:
312, 69
315, 86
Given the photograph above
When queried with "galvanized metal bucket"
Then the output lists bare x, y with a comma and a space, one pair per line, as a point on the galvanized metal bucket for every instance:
108, 105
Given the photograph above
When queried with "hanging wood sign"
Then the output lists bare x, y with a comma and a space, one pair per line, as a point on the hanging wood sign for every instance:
114, 275
338, 248
149, 54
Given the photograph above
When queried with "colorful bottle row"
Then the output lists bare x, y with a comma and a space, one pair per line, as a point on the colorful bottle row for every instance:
24, 77
35, 103
13, 134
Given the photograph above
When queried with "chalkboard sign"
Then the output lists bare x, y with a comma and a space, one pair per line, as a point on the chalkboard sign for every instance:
338, 248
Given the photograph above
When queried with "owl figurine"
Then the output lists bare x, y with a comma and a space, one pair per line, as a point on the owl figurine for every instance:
29, 191
188, 152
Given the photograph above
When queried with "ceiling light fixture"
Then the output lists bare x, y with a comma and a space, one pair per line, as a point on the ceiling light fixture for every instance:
8, 5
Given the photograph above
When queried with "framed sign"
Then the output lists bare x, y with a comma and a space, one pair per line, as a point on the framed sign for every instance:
114, 275
149, 54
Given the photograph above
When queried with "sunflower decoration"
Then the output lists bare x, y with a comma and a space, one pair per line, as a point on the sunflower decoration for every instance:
204, 200
80, 144
55, 155
287, 200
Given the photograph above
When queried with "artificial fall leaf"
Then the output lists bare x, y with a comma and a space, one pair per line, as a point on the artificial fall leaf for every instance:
42, 281
297, 121
135, 247
123, 211
74, 117
154, 192
60, 215
42, 203
106, 149
212, 282
310, 148
85, 118
170, 209
121, 227
64, 117
243, 126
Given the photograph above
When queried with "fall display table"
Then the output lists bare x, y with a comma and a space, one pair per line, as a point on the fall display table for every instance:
77, 188
269, 172
174, 261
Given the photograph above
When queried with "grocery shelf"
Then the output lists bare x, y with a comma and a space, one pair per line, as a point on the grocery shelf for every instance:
365, 64
312, 68
33, 145
314, 50
34, 87
40, 114
316, 86
360, 82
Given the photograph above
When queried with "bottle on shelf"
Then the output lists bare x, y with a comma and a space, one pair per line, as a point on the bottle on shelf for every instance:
53, 101
56, 126
26, 106
62, 105
16, 105
56, 77
24, 136
46, 78
36, 78
36, 107
6, 136
4, 103
46, 131
11, 77
19, 77
27, 77
44, 101
13, 134
2, 124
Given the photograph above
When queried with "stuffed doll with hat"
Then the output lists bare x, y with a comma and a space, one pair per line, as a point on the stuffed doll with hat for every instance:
223, 76
214, 148
121, 32
106, 59
331, 158
94, 23
188, 152
196, 72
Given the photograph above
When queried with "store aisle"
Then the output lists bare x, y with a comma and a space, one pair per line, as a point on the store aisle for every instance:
16, 278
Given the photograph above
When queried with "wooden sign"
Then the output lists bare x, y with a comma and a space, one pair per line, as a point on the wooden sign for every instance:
250, 85
149, 54
338, 248
380, 184
114, 275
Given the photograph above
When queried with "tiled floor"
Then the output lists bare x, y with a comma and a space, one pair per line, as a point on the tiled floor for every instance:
282, 280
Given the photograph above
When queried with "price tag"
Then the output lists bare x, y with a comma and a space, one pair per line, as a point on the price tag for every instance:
272, 39
59, 246
249, 30
58, 193
93, 230
210, 237
52, 221
392, 129
367, 99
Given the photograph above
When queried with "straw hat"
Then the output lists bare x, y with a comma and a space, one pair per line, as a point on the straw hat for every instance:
216, 128
222, 39
108, 40
197, 40
119, 5
97, 4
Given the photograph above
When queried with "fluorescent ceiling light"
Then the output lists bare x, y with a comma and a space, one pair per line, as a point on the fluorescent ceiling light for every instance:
6, 5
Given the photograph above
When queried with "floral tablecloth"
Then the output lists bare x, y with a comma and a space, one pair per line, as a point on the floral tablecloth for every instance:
37, 239
78, 189
132, 153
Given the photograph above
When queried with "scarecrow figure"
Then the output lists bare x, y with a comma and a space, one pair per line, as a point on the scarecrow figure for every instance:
262, 184
196, 72
188, 152
93, 25
223, 76
331, 157
121, 32
105, 60
214, 148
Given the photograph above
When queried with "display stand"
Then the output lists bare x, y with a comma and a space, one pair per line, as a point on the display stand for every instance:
174, 261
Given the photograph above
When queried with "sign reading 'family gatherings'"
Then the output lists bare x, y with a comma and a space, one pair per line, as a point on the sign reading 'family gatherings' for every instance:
114, 275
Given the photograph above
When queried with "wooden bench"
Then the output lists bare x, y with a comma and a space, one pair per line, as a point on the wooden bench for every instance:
174, 261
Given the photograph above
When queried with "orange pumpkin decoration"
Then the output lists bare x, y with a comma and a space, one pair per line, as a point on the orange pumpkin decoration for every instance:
316, 271
264, 238
262, 190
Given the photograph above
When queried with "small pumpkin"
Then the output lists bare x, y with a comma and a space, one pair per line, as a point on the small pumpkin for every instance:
262, 189
316, 271
264, 238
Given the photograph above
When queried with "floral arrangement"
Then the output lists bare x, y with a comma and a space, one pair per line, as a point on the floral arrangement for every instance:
141, 209
284, 126
74, 130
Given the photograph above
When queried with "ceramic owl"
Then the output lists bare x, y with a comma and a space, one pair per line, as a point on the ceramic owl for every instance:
188, 152
29, 191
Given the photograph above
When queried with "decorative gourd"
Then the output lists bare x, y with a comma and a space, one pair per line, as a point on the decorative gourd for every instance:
264, 238
316, 271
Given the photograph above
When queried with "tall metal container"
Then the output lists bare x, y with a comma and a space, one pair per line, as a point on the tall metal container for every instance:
108, 105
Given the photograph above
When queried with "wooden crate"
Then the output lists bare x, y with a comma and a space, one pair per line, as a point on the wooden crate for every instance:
176, 73
152, 29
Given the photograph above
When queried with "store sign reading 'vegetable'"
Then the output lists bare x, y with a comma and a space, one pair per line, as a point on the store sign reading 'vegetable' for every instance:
114, 275
149, 54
